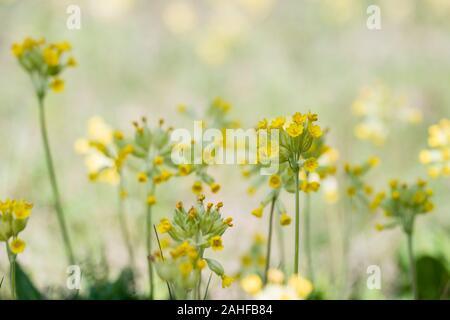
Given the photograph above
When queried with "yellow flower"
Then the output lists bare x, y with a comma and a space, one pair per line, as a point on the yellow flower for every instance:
192, 213
373, 161
258, 212
197, 187
262, 124
302, 286
201, 263
351, 191
17, 49
184, 169
166, 175
275, 181
226, 281
22, 210
164, 225
277, 123
57, 85
315, 131
142, 177
259, 238
157, 179
251, 284
72, 62
185, 268
275, 276
158, 160
251, 190
312, 117
228, 221
434, 171
294, 130
310, 165
285, 219
216, 243
215, 187
63, 46
17, 246
151, 200
51, 56
379, 227
428, 206
393, 183
298, 118
368, 189
395, 195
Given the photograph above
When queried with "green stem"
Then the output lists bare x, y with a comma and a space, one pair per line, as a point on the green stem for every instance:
281, 248
308, 236
297, 222
162, 258
207, 287
412, 266
149, 250
124, 225
347, 231
269, 239
52, 175
12, 271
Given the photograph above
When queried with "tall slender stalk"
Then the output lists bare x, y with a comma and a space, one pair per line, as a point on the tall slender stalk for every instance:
269, 239
12, 271
307, 212
54, 184
123, 223
162, 257
148, 236
297, 222
281, 248
412, 265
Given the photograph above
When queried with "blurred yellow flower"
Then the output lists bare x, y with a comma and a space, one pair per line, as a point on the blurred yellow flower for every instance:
251, 284
17, 246
310, 164
164, 226
275, 181
179, 16
258, 212
226, 281
285, 219
57, 85
302, 286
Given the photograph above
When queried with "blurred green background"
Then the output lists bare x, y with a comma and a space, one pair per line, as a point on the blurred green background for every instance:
268, 58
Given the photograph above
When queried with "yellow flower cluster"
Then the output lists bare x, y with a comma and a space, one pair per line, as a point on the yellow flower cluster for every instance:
105, 151
44, 62
14, 216
437, 157
358, 189
403, 202
193, 231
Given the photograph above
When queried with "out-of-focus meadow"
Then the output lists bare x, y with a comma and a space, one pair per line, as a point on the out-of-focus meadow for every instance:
267, 58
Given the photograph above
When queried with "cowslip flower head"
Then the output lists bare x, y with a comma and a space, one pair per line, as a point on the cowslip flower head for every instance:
403, 203
192, 232
45, 62
14, 215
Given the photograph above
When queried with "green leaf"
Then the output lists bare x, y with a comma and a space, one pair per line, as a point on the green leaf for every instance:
25, 288
432, 278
